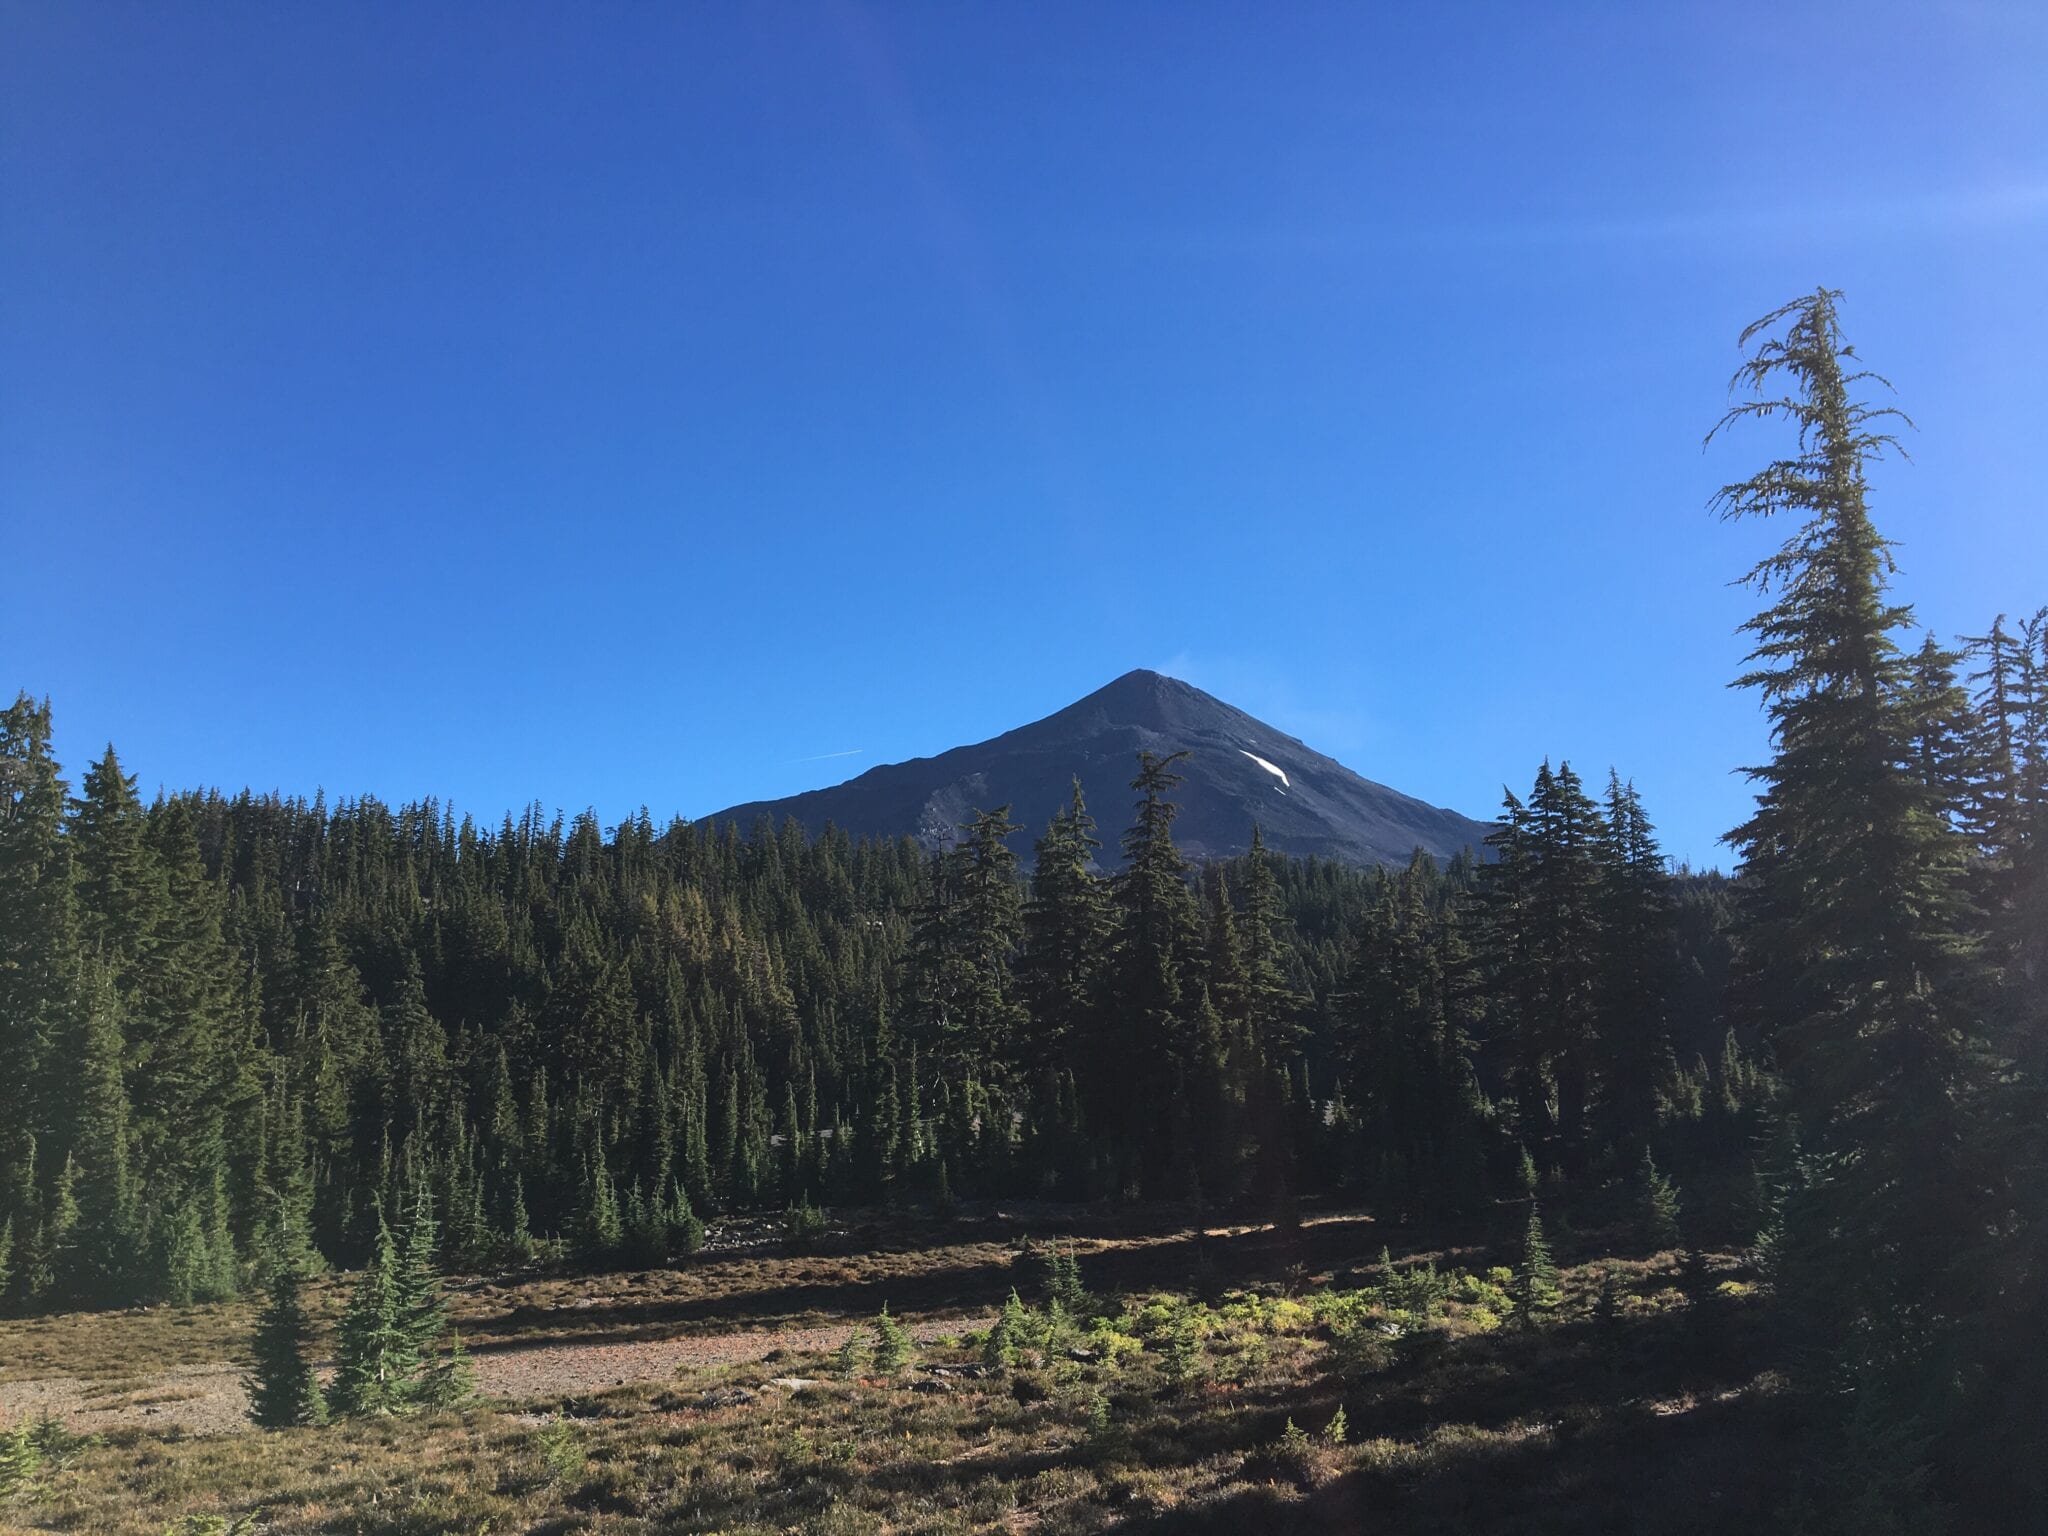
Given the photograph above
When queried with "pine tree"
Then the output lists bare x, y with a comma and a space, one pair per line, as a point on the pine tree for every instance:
602, 1232
518, 1227
1149, 1038
1272, 1004
179, 1062
685, 1229
893, 1344
449, 1380
376, 1361
1852, 879
419, 1306
1006, 1337
38, 952
100, 1268
1656, 1201
121, 892
1636, 961
284, 1390
1535, 1289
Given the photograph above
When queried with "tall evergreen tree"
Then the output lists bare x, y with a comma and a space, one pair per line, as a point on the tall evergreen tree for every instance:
1636, 959
102, 1262
1851, 883
1148, 1036
38, 949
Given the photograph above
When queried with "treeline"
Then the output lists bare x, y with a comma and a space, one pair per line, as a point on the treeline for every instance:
218, 1007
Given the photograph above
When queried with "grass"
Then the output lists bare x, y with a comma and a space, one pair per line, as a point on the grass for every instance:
1158, 1410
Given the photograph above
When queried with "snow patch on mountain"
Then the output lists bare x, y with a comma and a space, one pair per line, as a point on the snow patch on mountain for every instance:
1266, 765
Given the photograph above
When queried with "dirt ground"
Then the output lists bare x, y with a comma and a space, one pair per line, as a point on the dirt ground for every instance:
211, 1399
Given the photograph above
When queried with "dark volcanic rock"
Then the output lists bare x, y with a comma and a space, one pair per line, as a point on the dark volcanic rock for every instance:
1240, 771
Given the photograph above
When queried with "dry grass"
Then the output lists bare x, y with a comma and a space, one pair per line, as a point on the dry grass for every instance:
1643, 1422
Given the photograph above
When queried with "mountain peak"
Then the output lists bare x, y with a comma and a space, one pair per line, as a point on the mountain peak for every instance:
1239, 770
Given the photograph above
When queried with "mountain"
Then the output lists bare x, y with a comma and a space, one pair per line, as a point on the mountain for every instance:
1239, 771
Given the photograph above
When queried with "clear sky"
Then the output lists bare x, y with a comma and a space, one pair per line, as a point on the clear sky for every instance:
621, 405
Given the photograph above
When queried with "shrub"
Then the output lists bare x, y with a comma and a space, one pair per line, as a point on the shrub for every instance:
1183, 1351
1111, 1343
1418, 1288
33, 1445
1296, 1457
560, 1449
20, 1458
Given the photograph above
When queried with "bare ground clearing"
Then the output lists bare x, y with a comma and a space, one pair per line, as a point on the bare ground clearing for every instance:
211, 1399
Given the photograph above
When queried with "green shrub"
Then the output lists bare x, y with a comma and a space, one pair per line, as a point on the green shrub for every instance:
33, 1446
1184, 1358
20, 1458
1418, 1288
561, 1453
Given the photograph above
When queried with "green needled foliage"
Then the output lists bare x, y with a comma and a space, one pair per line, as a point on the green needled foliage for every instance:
1856, 897
1657, 1206
1535, 1289
283, 1389
375, 1358
893, 1346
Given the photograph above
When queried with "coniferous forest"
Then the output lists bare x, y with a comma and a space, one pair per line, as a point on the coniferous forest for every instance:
236, 1024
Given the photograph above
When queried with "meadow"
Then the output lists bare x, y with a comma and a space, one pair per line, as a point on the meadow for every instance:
1329, 1374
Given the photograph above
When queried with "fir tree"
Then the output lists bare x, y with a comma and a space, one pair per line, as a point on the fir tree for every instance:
602, 1232
893, 1346
449, 1380
1149, 1038
419, 1306
376, 1359
100, 1267
1535, 1289
284, 1391
1852, 874
1656, 1202
38, 949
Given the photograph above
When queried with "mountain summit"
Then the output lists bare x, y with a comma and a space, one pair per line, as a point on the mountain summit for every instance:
1239, 771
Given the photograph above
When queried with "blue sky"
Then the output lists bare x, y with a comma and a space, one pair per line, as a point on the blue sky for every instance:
622, 405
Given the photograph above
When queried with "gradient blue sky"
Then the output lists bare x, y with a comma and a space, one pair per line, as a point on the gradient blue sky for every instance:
622, 405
